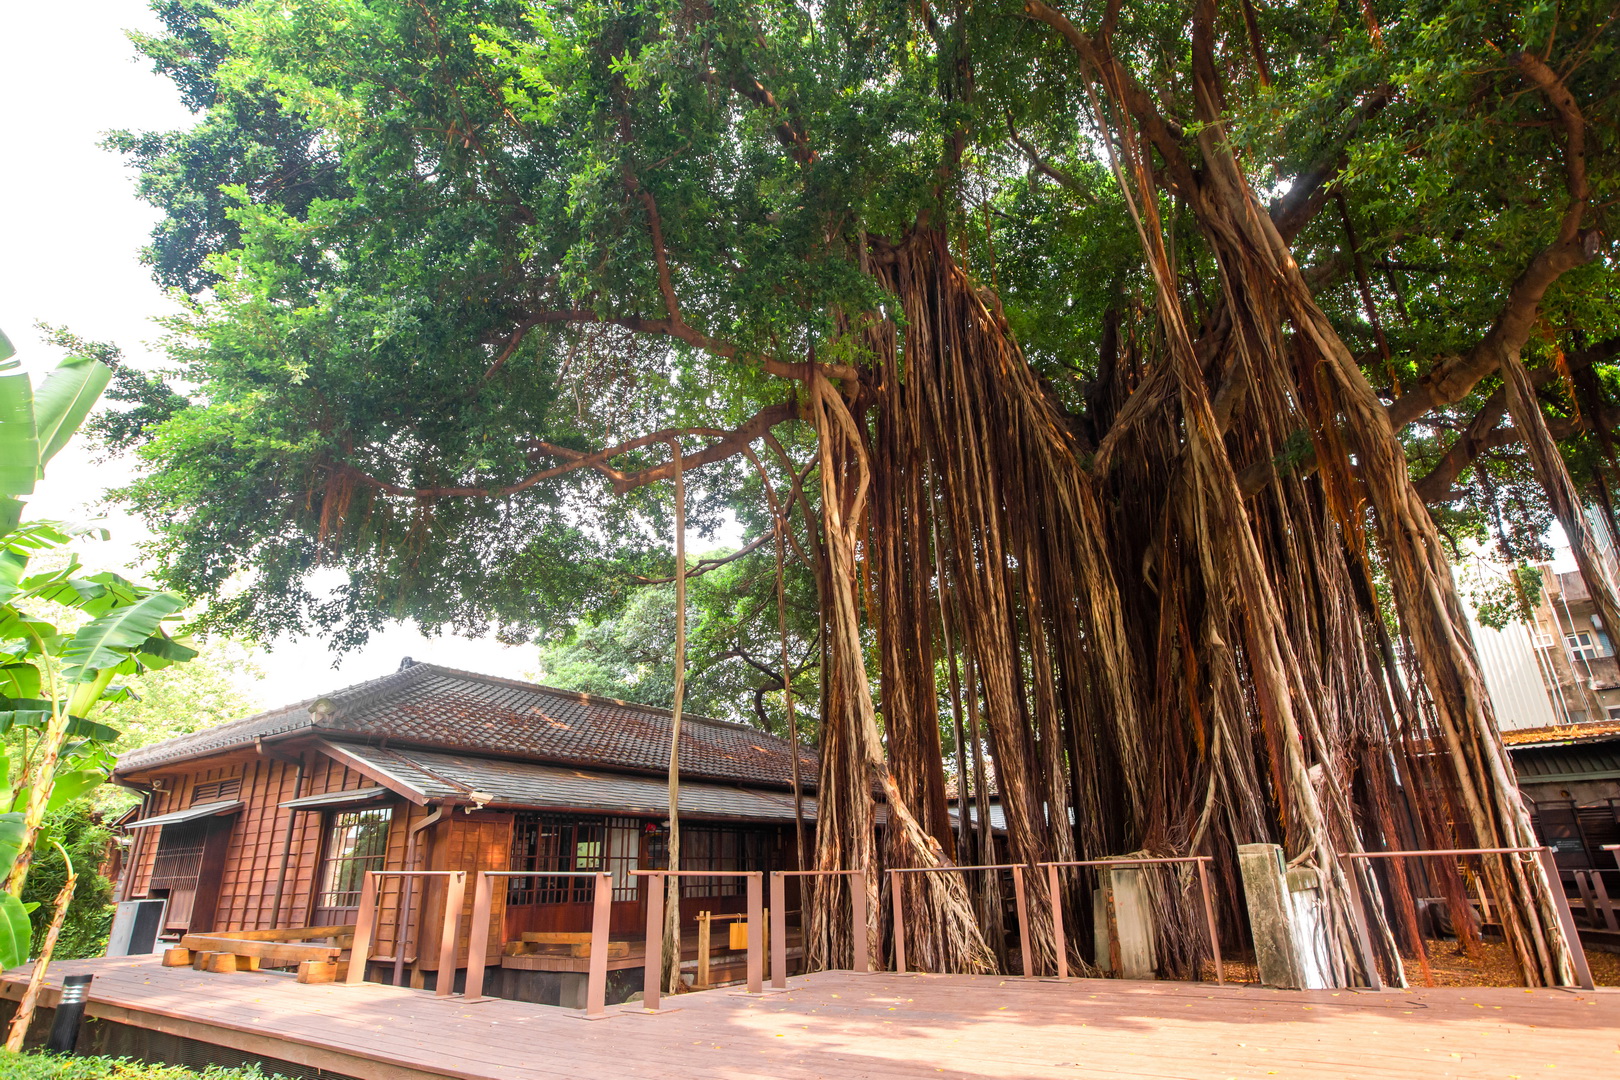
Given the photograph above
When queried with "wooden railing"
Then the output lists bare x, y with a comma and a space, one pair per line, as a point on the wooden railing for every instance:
1019, 898
366, 921
601, 918
1060, 940
652, 982
857, 903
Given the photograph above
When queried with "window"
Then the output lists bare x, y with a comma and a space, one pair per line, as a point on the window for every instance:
356, 842
564, 845
1614, 712
712, 848
216, 791
1581, 646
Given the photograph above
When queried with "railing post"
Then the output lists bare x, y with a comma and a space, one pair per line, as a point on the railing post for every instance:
653, 976
857, 912
478, 936
778, 930
1025, 952
1566, 920
1600, 893
756, 931
895, 892
1209, 918
364, 922
454, 894
1055, 890
601, 921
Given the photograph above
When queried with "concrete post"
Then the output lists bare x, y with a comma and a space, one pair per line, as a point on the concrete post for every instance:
1265, 889
1124, 920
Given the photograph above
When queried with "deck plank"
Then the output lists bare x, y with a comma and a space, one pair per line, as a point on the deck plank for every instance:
899, 1027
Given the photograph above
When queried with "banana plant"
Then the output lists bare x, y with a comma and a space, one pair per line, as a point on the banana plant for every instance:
65, 635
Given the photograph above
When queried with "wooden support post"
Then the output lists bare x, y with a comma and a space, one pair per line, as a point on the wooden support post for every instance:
756, 932
857, 905
1577, 953
478, 936
454, 893
1605, 905
221, 963
1021, 900
899, 922
1054, 889
601, 923
176, 957
199, 960
364, 923
1209, 921
705, 935
778, 930
652, 980
1583, 885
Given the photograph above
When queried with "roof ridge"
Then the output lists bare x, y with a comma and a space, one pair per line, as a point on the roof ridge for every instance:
598, 699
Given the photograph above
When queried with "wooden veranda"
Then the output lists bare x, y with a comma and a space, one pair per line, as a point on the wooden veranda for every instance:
842, 1024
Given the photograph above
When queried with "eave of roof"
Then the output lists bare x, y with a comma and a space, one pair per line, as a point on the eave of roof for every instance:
474, 713
1562, 734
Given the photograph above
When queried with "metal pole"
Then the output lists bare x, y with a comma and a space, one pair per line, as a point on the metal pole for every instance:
478, 938
363, 922
455, 892
778, 930
1024, 951
69, 1017
756, 930
653, 972
1059, 939
857, 904
1566, 920
1209, 921
899, 922
601, 920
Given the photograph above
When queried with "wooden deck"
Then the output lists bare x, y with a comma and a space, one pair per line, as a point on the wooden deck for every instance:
837, 1024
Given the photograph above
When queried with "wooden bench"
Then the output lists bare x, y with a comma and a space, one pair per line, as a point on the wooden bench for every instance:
561, 943
243, 950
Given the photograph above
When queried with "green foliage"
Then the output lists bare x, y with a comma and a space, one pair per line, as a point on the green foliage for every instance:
80, 829
52, 1067
734, 657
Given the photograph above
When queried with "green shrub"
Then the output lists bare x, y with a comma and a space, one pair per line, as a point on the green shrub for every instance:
52, 1067
80, 829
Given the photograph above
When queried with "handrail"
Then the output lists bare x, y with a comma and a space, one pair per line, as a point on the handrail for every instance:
652, 981
601, 918
857, 903
1061, 941
896, 894
1555, 885
365, 920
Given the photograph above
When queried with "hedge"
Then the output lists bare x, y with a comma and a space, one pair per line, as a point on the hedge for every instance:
52, 1067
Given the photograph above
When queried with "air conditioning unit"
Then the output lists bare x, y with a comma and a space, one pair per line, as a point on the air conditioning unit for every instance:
135, 927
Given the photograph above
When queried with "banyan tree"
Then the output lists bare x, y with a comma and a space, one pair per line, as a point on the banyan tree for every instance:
1125, 378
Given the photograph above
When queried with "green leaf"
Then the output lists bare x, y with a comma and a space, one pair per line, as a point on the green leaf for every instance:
80, 728
64, 399
24, 713
19, 445
19, 681
11, 841
71, 785
7, 350
105, 642
15, 931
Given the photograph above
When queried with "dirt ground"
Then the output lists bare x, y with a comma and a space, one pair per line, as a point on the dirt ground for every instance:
1451, 966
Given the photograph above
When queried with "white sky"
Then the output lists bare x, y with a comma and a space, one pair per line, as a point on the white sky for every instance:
71, 228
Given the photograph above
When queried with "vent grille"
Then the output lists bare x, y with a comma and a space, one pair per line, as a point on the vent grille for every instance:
216, 790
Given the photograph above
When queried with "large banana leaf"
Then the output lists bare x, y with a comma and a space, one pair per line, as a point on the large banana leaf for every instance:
19, 445
64, 399
104, 642
16, 933
11, 840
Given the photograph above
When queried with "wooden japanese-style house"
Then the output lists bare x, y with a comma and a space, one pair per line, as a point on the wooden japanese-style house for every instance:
272, 821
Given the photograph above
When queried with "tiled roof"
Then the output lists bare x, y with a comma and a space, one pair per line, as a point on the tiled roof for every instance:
1562, 733
431, 706
436, 775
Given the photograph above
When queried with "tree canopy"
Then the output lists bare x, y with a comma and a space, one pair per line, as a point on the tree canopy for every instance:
1122, 375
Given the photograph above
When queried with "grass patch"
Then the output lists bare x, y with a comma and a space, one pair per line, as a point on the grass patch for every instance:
54, 1067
